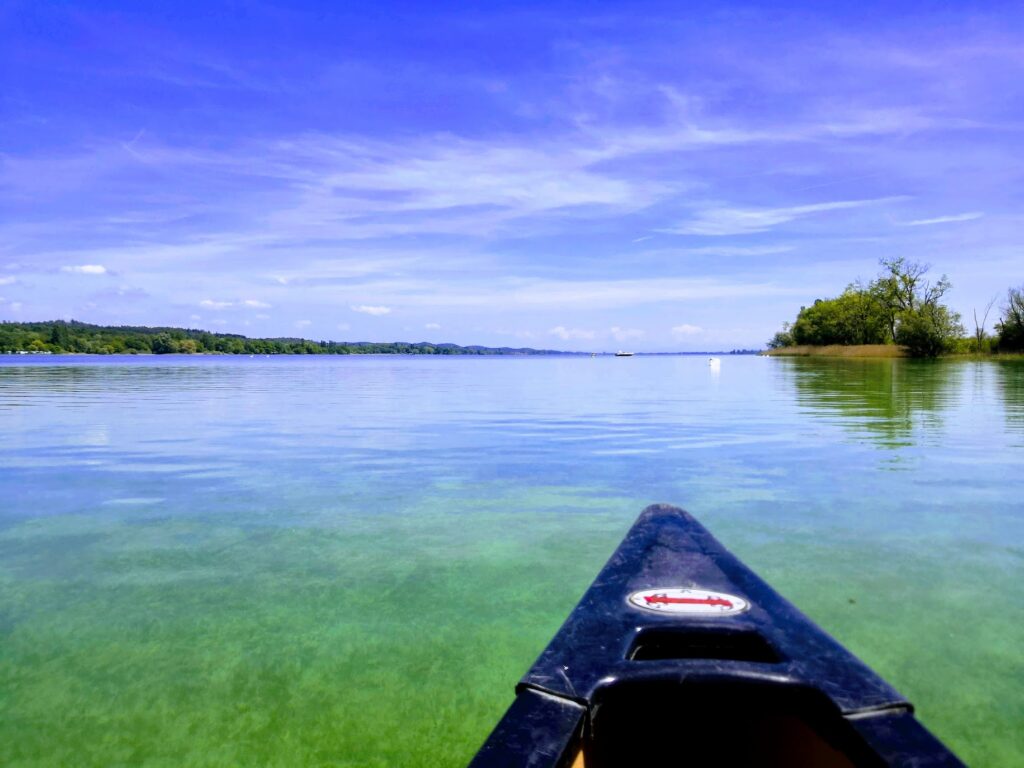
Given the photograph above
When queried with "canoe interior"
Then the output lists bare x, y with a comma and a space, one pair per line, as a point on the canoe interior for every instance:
644, 725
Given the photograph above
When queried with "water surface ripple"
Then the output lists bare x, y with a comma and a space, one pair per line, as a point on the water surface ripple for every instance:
351, 560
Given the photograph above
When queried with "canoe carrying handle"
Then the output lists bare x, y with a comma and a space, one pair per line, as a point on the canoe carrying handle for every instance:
668, 643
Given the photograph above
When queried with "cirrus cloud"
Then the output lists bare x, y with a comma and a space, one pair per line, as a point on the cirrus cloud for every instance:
970, 216
721, 222
85, 269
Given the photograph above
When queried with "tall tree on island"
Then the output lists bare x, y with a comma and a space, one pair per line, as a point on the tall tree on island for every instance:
912, 301
1011, 326
900, 306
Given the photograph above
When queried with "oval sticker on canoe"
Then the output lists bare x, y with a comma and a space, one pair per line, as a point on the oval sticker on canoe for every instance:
693, 602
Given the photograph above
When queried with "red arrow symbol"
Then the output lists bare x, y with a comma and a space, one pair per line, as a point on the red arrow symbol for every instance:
688, 600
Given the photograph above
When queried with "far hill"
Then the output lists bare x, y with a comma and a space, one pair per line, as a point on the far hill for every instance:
58, 336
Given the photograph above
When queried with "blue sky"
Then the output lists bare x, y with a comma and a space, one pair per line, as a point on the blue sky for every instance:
677, 176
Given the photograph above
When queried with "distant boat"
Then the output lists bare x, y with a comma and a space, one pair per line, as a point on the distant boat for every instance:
620, 353
714, 362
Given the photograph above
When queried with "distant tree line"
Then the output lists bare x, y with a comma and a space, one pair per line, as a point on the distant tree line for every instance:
901, 306
59, 337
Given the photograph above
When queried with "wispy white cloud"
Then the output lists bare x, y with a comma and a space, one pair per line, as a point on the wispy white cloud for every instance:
8, 280
255, 304
970, 216
433, 326
355, 187
217, 305
367, 309
723, 221
444, 184
303, 323
686, 330
350, 187
85, 269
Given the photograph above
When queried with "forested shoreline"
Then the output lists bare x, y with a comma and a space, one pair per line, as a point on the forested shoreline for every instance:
902, 307
73, 337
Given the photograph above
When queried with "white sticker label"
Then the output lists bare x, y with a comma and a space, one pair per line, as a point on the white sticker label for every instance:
694, 602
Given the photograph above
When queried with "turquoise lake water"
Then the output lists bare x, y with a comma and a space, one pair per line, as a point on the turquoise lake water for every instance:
350, 561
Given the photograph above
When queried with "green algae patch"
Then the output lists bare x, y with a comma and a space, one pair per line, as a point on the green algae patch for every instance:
372, 642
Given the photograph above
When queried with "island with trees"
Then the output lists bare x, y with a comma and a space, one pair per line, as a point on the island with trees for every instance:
73, 337
900, 313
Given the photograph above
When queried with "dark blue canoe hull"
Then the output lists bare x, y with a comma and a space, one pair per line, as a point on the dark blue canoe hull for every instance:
679, 648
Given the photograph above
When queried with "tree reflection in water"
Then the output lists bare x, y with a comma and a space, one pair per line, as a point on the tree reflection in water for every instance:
1010, 378
891, 402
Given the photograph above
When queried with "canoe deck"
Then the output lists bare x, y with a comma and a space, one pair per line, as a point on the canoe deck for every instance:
680, 654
